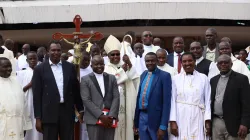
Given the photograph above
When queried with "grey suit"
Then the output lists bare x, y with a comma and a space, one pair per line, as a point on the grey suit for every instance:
217, 54
94, 102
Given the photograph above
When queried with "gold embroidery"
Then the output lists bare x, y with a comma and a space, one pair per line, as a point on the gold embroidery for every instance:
193, 137
12, 134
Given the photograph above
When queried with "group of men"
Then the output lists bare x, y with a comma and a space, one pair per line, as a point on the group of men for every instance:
137, 90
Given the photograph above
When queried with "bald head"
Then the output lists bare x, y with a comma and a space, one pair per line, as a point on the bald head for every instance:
9, 44
161, 57
225, 48
26, 49
147, 38
138, 49
211, 36
224, 64
95, 50
97, 64
212, 30
178, 44
195, 43
157, 41
226, 39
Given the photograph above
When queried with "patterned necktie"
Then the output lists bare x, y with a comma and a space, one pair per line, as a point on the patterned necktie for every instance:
145, 89
179, 62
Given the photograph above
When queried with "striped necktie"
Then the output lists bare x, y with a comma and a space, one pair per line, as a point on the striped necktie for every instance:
145, 89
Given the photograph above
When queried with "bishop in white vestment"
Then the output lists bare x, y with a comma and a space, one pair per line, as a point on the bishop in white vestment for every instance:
127, 81
190, 104
14, 117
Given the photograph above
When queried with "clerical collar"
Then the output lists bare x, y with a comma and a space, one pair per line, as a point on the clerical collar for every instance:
226, 75
190, 73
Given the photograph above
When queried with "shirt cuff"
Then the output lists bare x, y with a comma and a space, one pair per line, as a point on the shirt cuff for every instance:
163, 127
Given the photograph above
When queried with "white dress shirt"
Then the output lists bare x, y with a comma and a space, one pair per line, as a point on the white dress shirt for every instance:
210, 55
100, 80
176, 61
150, 48
58, 74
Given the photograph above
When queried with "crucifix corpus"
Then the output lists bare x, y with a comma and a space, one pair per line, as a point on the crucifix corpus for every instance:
77, 36
78, 48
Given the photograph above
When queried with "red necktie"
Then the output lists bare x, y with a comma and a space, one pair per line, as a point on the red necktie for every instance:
179, 62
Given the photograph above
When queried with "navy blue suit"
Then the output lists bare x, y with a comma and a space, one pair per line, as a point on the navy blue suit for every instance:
171, 59
158, 108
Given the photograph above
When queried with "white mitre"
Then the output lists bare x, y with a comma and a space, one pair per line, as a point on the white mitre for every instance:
111, 44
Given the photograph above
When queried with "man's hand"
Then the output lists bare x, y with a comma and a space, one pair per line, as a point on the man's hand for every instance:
174, 128
27, 87
136, 131
242, 133
126, 60
160, 134
39, 125
80, 117
208, 127
106, 120
125, 67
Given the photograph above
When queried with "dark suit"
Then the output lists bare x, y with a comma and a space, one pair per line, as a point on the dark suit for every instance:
171, 59
217, 54
56, 117
94, 103
158, 108
236, 107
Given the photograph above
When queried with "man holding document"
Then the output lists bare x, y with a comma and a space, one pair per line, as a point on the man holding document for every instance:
100, 95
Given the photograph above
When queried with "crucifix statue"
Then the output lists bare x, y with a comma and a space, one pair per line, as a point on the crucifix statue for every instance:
77, 36
78, 48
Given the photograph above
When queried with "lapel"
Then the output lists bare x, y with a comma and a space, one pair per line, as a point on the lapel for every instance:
66, 74
49, 73
204, 51
106, 83
171, 59
229, 85
94, 80
156, 77
215, 83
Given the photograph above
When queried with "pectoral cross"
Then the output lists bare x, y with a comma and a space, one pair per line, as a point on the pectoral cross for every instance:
12, 134
193, 137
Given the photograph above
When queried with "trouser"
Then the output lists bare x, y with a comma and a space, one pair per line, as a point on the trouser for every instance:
97, 132
64, 128
220, 131
145, 132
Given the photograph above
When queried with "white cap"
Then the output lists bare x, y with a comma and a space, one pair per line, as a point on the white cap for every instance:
71, 51
111, 44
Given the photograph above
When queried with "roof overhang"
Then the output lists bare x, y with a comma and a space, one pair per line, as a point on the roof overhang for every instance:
107, 10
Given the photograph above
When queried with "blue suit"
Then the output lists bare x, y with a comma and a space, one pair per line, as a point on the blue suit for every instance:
171, 59
158, 108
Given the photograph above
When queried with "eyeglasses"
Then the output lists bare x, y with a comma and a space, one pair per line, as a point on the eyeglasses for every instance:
115, 54
147, 35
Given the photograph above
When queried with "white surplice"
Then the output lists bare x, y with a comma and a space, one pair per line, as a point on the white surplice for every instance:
126, 49
128, 83
25, 77
139, 63
238, 66
190, 105
167, 68
9, 54
21, 62
150, 48
83, 127
14, 117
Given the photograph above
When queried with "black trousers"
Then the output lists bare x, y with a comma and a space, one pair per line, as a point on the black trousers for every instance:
64, 128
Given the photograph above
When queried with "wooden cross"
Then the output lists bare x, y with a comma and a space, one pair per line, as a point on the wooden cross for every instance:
12, 134
78, 22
